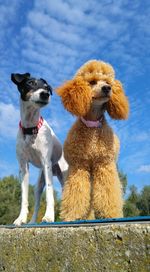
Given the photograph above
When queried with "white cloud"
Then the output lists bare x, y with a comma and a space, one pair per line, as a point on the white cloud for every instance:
134, 157
64, 29
7, 11
7, 168
144, 168
66, 33
141, 137
9, 117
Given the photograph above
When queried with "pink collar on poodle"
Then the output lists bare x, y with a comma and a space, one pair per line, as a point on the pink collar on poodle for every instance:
92, 124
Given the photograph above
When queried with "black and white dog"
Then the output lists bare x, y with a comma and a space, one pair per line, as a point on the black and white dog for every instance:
37, 144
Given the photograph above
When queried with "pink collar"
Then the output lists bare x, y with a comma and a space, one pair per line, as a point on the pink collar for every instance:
32, 130
92, 124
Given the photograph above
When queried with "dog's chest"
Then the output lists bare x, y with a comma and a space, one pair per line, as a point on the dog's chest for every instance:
96, 143
28, 149
89, 143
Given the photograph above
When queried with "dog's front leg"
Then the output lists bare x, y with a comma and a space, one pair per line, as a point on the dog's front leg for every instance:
107, 198
49, 214
38, 192
76, 194
24, 176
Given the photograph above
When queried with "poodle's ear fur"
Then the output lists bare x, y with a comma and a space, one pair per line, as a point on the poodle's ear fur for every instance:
76, 96
118, 106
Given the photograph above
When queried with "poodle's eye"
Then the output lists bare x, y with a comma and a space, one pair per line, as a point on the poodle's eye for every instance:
93, 82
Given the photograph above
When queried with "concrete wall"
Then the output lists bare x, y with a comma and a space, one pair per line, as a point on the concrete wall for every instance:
118, 248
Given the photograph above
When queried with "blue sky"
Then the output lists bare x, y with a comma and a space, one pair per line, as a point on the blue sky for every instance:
52, 39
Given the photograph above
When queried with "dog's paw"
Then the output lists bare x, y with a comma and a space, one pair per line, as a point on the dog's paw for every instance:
20, 220
48, 219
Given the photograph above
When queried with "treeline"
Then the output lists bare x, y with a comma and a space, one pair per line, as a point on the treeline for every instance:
136, 204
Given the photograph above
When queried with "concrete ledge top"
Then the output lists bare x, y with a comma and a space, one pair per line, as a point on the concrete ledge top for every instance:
110, 247
85, 223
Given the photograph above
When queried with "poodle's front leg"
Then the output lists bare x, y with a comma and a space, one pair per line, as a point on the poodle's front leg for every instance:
107, 192
76, 194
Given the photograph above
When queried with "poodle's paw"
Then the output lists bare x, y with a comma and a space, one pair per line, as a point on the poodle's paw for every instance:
68, 218
48, 219
20, 220
65, 216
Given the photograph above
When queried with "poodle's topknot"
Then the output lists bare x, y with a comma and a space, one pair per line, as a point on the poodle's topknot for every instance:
95, 67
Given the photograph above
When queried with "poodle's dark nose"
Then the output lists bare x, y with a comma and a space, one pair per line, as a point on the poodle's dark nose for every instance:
106, 89
44, 95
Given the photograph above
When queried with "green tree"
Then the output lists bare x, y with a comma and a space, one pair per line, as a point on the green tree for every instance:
134, 196
10, 193
143, 202
137, 204
57, 206
123, 179
130, 209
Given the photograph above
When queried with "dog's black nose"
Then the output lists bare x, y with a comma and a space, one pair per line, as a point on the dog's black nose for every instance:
44, 95
106, 89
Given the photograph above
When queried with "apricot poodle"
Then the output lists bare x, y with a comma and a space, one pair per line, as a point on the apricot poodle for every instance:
92, 188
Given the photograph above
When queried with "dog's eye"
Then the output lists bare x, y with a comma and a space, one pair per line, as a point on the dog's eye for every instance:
93, 82
33, 83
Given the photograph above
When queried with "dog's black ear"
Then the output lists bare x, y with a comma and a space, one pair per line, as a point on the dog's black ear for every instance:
18, 78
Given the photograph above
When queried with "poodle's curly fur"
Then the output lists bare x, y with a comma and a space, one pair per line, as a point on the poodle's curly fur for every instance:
93, 188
